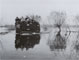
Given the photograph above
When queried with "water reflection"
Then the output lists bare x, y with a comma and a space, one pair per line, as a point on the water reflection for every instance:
77, 44
59, 42
26, 41
77, 47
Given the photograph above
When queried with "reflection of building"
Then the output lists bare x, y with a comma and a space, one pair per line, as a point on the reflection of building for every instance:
58, 43
25, 25
26, 41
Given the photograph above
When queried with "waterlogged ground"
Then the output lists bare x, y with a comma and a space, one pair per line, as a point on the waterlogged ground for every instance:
39, 46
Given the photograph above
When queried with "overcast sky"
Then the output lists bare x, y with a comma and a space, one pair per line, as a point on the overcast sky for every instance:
12, 8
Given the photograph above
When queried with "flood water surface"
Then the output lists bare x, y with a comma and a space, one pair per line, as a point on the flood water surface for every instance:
50, 46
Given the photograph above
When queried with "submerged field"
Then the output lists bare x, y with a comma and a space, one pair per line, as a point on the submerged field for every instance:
42, 49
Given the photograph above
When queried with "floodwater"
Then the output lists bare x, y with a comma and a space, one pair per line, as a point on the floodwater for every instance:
40, 46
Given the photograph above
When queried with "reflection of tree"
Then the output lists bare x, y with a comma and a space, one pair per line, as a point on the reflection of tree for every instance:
76, 45
58, 43
1, 45
26, 41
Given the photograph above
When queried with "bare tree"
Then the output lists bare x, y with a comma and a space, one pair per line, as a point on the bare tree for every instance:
57, 18
77, 39
77, 17
77, 23
35, 17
